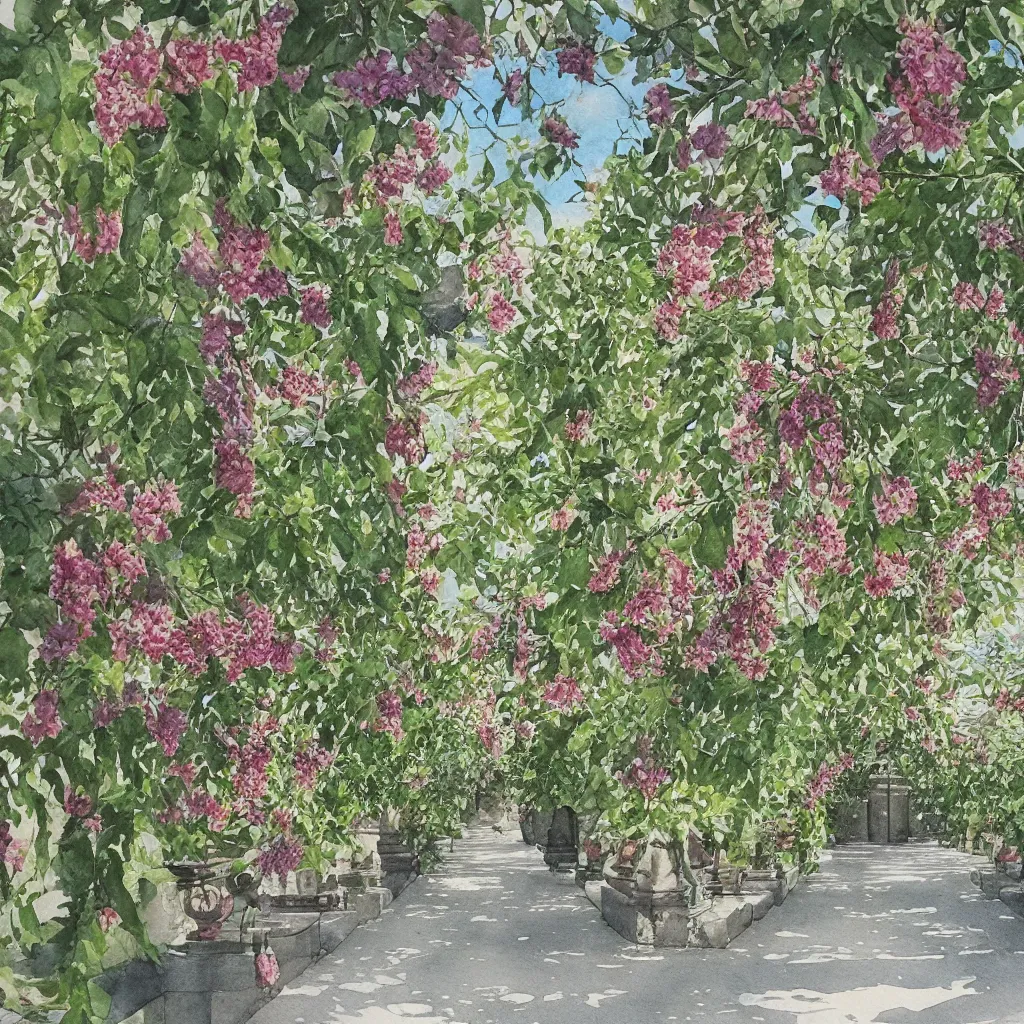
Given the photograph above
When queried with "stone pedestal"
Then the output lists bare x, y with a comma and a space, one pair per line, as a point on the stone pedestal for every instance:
648, 919
888, 810
649, 902
768, 881
561, 852
398, 863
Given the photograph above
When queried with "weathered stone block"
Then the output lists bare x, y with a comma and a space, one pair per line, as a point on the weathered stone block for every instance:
758, 882
235, 1007
760, 903
727, 917
646, 920
202, 971
1013, 897
369, 903
991, 882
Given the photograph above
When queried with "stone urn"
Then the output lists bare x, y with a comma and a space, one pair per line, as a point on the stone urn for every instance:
205, 896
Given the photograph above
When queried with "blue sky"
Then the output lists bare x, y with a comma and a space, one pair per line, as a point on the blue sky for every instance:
599, 113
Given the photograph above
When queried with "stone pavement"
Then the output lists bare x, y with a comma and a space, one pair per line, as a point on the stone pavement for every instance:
894, 935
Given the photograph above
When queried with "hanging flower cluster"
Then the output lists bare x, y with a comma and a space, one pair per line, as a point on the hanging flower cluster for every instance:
436, 65
134, 73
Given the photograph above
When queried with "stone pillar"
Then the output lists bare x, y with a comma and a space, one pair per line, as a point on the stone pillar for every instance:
888, 810
561, 853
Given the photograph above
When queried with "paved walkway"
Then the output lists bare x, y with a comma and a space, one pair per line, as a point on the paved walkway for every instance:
881, 934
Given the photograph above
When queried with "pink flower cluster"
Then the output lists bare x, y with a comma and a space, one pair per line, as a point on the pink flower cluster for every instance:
236, 473
658, 105
436, 65
687, 258
280, 856
822, 547
166, 724
709, 140
256, 55
87, 244
501, 314
849, 172
134, 73
555, 130
635, 656
578, 60
576, 429
80, 585
251, 641
389, 714
484, 639
825, 779
774, 107
310, 760
268, 970
969, 296
412, 385
562, 693
994, 374
125, 94
884, 318
644, 775
897, 501
418, 545
12, 851
932, 73
891, 573
988, 505
43, 721
606, 575
77, 805
314, 308
296, 385
512, 90
404, 437
563, 518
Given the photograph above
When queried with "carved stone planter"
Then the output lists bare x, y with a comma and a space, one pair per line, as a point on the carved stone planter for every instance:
648, 902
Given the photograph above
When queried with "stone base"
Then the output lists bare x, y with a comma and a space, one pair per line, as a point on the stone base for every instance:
992, 882
714, 925
643, 921
777, 888
215, 982
727, 917
1013, 897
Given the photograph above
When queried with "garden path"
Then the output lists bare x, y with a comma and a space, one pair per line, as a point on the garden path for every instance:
881, 934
